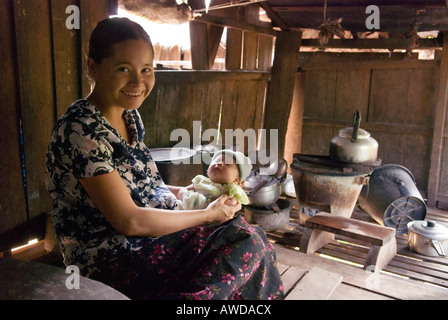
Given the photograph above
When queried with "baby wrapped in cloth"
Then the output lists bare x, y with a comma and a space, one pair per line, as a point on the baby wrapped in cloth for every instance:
226, 175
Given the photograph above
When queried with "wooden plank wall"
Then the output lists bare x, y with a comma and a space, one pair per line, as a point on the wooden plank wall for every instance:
12, 196
43, 75
438, 179
181, 97
397, 102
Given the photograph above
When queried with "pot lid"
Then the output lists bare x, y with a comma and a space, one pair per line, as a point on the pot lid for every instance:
429, 228
348, 133
252, 181
171, 154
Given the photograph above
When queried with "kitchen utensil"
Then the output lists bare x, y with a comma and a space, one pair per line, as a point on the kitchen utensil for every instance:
268, 219
267, 194
353, 144
428, 237
177, 165
276, 170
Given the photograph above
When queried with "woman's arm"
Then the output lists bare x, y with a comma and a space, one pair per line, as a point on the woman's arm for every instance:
112, 198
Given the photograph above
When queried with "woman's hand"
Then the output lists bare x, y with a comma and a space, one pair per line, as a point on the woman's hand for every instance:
223, 209
231, 201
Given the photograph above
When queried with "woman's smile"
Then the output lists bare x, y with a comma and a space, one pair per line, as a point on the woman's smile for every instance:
131, 94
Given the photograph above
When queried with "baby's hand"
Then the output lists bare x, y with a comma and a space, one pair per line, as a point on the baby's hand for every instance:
181, 193
231, 201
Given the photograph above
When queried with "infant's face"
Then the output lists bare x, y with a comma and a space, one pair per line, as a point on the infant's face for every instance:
224, 170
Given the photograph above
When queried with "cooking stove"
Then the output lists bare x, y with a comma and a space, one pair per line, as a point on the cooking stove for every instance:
326, 185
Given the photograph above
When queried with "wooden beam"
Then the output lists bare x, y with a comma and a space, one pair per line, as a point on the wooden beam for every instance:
348, 9
281, 88
388, 44
235, 24
274, 16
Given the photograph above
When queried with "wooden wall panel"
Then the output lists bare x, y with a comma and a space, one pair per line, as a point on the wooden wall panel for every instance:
316, 139
182, 97
438, 182
397, 104
443, 188
389, 91
320, 90
212, 105
66, 57
351, 93
423, 86
12, 196
36, 84
166, 116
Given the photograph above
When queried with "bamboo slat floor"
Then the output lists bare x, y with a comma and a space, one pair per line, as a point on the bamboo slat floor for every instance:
409, 276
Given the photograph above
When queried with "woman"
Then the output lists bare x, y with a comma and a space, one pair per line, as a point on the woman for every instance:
114, 216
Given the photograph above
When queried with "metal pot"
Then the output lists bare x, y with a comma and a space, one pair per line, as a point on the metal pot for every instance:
266, 195
177, 165
268, 219
353, 144
428, 238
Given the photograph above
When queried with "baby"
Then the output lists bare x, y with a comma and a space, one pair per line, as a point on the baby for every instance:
226, 174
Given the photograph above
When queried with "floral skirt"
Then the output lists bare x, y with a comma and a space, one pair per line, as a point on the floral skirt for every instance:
229, 261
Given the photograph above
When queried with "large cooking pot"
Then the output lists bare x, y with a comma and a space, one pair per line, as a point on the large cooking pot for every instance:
177, 165
428, 238
266, 195
353, 144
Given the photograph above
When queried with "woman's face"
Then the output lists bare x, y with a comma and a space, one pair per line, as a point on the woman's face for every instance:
125, 78
223, 169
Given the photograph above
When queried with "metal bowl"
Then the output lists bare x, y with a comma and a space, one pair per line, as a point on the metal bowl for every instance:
267, 195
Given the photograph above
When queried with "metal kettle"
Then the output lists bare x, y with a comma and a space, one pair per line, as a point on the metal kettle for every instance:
353, 144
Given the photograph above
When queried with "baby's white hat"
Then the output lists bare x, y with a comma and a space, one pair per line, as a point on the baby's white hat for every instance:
243, 162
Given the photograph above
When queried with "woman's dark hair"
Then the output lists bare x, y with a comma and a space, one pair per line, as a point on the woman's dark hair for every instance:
111, 31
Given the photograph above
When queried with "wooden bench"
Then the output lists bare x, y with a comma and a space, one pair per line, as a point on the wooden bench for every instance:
321, 229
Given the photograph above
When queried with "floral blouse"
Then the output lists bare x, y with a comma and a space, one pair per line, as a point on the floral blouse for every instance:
84, 144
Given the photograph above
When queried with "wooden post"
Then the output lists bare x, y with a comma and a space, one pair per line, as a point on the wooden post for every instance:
293, 138
440, 131
92, 12
281, 88
204, 40
200, 58
234, 45
234, 42
250, 39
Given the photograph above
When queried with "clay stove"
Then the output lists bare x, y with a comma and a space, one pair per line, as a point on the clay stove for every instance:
326, 185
